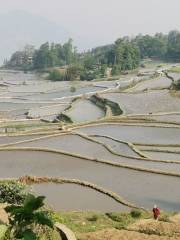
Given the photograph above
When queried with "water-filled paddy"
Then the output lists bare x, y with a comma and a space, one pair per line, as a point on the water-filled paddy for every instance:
146, 102
138, 134
163, 155
84, 110
46, 111
62, 94
82, 147
13, 139
158, 83
175, 76
144, 189
59, 197
118, 147
22, 93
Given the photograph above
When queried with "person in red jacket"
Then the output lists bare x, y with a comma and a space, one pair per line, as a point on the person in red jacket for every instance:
156, 212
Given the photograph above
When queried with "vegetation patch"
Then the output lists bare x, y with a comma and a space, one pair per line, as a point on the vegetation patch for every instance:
122, 219
103, 103
176, 85
175, 69
12, 192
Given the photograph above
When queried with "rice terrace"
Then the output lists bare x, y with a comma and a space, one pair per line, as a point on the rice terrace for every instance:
122, 140
89, 120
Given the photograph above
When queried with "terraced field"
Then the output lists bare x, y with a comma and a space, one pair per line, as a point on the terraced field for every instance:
88, 152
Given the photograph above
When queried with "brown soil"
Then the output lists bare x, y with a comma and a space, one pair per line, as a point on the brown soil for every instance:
146, 229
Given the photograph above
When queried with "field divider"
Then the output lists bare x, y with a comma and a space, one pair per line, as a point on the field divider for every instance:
155, 144
129, 144
95, 160
142, 157
30, 180
161, 150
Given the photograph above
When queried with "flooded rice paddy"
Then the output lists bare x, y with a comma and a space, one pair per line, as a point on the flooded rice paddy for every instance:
135, 156
59, 197
140, 134
90, 111
125, 182
146, 102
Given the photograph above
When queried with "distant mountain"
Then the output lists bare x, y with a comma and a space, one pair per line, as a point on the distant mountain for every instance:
19, 28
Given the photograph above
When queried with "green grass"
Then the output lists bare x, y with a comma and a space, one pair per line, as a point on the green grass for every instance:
3, 229
83, 222
175, 69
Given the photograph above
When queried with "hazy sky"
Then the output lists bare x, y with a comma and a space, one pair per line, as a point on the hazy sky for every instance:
102, 21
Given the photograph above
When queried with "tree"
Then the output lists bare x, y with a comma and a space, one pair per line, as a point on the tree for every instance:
23, 218
73, 72
173, 51
41, 57
127, 55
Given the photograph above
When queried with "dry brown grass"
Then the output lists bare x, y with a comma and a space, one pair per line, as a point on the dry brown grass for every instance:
113, 234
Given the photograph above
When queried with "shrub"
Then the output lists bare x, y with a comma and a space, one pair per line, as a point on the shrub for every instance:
23, 219
122, 219
13, 193
72, 89
55, 75
93, 218
136, 213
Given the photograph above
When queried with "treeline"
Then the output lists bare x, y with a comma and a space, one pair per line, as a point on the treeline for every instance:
125, 54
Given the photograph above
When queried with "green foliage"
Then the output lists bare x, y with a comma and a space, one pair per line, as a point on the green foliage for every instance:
152, 46
136, 213
176, 85
173, 47
93, 218
87, 75
127, 55
55, 55
13, 193
3, 229
56, 75
122, 219
72, 89
23, 218
73, 72
175, 69
124, 54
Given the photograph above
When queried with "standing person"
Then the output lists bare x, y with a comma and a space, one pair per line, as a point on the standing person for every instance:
156, 212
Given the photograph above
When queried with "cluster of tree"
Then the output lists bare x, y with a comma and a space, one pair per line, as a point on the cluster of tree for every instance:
51, 55
125, 54
22, 59
166, 47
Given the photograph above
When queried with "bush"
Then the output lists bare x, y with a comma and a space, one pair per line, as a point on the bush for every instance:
55, 75
122, 219
72, 89
87, 75
13, 193
23, 219
93, 218
136, 213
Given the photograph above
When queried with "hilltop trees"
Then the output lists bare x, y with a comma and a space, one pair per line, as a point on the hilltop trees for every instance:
173, 48
22, 59
124, 54
54, 55
152, 46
